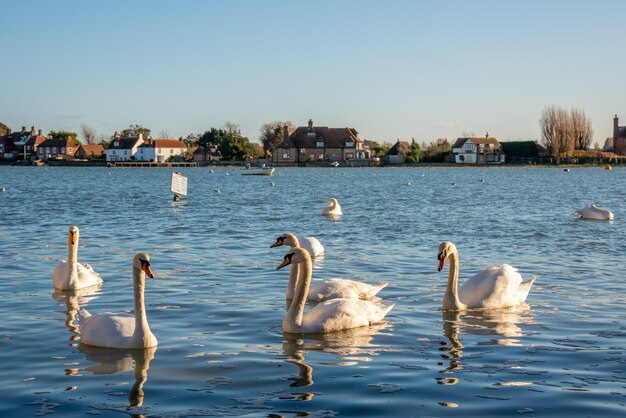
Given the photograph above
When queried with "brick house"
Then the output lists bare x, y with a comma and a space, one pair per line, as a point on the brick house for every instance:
209, 153
57, 149
21, 145
619, 137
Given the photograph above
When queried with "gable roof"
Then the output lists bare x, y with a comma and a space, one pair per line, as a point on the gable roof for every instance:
169, 143
399, 148
476, 140
308, 137
129, 142
96, 150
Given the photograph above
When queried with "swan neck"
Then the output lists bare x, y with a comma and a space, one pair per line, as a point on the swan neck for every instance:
296, 309
293, 278
451, 298
141, 321
72, 260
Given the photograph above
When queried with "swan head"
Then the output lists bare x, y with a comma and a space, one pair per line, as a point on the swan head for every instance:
72, 235
285, 239
333, 201
296, 255
142, 262
443, 252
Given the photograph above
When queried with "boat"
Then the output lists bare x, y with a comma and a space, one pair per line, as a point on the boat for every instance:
262, 170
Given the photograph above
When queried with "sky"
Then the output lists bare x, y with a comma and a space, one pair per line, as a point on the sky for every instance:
391, 69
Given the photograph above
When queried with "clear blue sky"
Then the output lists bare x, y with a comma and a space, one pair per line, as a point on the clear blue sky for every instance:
390, 69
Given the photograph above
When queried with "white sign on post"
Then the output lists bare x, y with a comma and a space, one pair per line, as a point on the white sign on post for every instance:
179, 184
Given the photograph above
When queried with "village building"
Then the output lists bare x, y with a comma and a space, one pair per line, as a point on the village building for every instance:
397, 154
477, 150
21, 145
619, 137
210, 153
319, 144
59, 149
91, 151
161, 150
123, 149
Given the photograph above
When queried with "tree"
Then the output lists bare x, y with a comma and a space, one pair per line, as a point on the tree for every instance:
135, 130
64, 135
437, 151
562, 132
581, 129
165, 134
415, 155
191, 140
3, 129
272, 134
89, 134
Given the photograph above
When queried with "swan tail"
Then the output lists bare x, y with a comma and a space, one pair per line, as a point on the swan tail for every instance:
524, 288
383, 313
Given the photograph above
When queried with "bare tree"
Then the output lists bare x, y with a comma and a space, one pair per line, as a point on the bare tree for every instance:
549, 123
562, 132
89, 134
582, 132
165, 134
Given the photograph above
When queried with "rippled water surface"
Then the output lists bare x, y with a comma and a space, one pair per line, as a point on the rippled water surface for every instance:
216, 304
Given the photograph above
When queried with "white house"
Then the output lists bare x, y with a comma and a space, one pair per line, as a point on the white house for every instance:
477, 151
122, 149
161, 150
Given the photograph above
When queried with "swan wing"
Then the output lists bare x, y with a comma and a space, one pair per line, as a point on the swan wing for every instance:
343, 288
340, 314
61, 276
494, 287
87, 276
107, 329
312, 245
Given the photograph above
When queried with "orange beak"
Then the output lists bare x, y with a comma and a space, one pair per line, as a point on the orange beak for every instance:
146, 268
276, 244
285, 262
72, 238
441, 263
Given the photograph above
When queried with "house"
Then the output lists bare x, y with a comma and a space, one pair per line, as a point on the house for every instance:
64, 149
319, 143
91, 151
619, 137
123, 149
477, 150
397, 154
161, 150
523, 149
21, 145
209, 153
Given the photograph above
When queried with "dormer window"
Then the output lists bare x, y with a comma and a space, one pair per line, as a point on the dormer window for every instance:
310, 134
116, 143
349, 144
319, 144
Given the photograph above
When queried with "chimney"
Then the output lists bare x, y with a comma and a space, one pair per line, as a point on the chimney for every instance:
23, 128
487, 135
116, 135
615, 127
140, 136
310, 124
285, 133
39, 133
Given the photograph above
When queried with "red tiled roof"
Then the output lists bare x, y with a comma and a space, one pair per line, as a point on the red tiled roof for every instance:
169, 143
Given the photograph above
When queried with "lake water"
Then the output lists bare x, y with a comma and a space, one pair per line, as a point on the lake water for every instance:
217, 303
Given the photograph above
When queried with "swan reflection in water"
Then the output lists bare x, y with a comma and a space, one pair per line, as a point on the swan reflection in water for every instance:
492, 322
113, 360
74, 300
351, 346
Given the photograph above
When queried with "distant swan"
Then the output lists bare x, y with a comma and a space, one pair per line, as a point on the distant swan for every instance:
327, 288
311, 244
332, 208
494, 287
122, 330
328, 316
595, 212
71, 275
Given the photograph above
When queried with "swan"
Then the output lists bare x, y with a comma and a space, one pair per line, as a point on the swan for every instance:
122, 330
332, 208
71, 275
494, 287
327, 288
311, 244
595, 212
328, 316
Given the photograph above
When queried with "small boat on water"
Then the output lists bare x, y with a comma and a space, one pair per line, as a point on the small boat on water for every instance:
258, 171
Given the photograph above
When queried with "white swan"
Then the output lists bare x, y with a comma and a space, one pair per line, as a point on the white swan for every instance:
332, 208
311, 244
494, 287
595, 212
71, 275
326, 288
328, 316
122, 330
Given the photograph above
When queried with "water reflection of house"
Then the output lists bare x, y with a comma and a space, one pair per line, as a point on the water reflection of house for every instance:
209, 153
476, 150
319, 143
397, 154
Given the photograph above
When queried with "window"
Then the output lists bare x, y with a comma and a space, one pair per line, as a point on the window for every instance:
286, 155
47, 150
125, 152
349, 156
349, 144
319, 144
311, 157
171, 150
69, 150
113, 152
